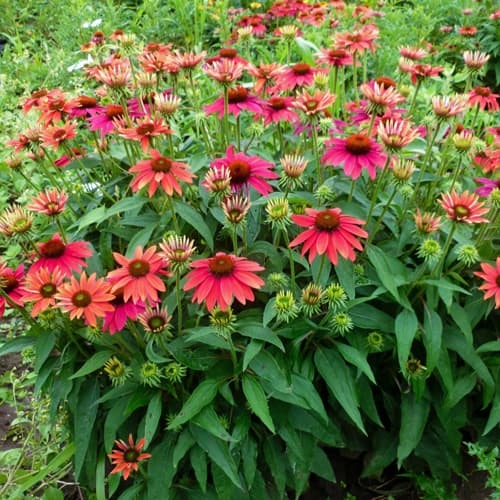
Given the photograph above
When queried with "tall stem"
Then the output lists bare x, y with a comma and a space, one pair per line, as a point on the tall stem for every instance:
426, 159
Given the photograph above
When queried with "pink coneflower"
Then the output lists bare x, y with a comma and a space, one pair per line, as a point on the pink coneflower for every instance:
412, 53
445, 107
155, 319
160, 171
49, 202
491, 275
265, 75
278, 109
138, 276
463, 207
358, 40
239, 99
329, 232
380, 96
235, 207
56, 254
356, 152
86, 297
218, 280
80, 105
396, 134
422, 71
115, 320
487, 186
188, 60
116, 76
103, 117
334, 57
55, 135
247, 171
127, 457
313, 104
11, 284
40, 288
144, 131
300, 74
230, 53
224, 70
484, 98
474, 59
177, 251
218, 181
66, 159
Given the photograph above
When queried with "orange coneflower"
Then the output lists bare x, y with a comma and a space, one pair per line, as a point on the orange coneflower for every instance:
218, 280
491, 276
127, 457
86, 296
329, 232
138, 276
49, 202
40, 288
55, 135
144, 130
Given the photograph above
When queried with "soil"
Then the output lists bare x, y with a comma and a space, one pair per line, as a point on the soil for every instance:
7, 413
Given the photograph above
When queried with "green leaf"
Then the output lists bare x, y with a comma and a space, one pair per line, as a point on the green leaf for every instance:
249, 452
252, 349
161, 470
92, 364
494, 417
321, 465
115, 417
356, 358
199, 398
414, 415
44, 345
84, 418
339, 379
461, 387
100, 475
194, 219
17, 344
371, 318
492, 346
383, 453
93, 217
218, 451
405, 328
390, 271
126, 205
224, 487
207, 419
152, 418
267, 367
140, 238
304, 389
432, 336
274, 454
257, 400
461, 319
53, 493
347, 279
183, 445
198, 460
259, 332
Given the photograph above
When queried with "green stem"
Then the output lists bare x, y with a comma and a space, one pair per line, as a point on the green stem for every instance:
292, 262
378, 186
426, 159
170, 204
314, 134
414, 98
355, 75
439, 266
387, 204
178, 293
225, 119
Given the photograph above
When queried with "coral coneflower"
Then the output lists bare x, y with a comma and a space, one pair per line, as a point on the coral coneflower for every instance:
55, 135
313, 104
329, 232
218, 280
484, 98
56, 254
218, 181
155, 320
299, 74
474, 59
380, 97
266, 75
334, 57
49, 202
40, 288
426, 222
177, 251
463, 207
446, 107
224, 70
247, 171
53, 107
160, 171
144, 131
412, 53
358, 40
138, 276
421, 71
356, 152
396, 134
86, 296
491, 276
278, 109
127, 457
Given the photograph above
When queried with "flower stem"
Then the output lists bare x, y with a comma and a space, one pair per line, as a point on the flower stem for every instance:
426, 159
439, 266
387, 204
178, 293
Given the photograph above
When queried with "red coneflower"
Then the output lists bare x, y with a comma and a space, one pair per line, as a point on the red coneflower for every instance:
115, 320
218, 280
138, 276
247, 171
356, 152
329, 232
49, 202
491, 275
87, 296
239, 99
334, 58
33, 100
426, 222
160, 171
53, 106
127, 457
467, 31
484, 98
40, 288
463, 207
56, 254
